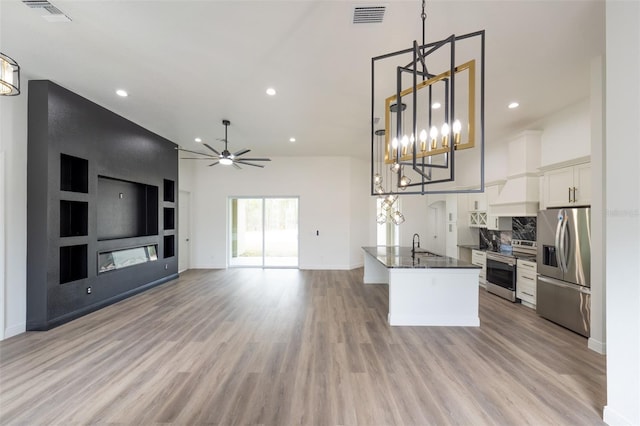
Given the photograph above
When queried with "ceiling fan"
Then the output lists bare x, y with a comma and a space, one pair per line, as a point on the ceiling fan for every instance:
225, 157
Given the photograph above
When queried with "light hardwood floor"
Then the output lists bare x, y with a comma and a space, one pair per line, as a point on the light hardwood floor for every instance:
285, 347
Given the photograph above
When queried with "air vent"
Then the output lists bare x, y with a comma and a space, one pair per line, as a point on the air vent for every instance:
368, 14
52, 14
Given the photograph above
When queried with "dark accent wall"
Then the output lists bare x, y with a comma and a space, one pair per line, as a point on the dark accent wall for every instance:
73, 144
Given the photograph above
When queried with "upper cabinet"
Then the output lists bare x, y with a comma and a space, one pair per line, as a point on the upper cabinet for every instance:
568, 186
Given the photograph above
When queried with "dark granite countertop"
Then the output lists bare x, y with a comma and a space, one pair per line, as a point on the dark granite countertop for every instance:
400, 257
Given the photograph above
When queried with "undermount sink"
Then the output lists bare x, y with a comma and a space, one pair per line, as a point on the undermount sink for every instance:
423, 252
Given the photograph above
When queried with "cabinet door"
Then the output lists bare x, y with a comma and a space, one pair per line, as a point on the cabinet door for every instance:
477, 202
499, 223
582, 183
452, 208
452, 240
558, 187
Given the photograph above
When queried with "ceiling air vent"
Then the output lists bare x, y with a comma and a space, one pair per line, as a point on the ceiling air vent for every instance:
49, 12
368, 14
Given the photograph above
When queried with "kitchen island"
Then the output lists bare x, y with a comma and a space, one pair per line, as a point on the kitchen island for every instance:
424, 289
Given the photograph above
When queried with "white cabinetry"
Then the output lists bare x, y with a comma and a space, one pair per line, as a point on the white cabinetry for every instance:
568, 186
479, 258
457, 227
526, 282
477, 207
496, 223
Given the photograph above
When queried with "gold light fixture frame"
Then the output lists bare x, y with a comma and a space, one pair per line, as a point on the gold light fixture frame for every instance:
390, 152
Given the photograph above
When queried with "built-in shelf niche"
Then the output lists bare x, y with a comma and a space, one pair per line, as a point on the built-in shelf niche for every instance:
73, 263
74, 176
123, 258
73, 218
169, 194
126, 209
169, 246
169, 218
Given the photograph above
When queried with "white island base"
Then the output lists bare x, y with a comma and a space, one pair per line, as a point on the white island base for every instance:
427, 296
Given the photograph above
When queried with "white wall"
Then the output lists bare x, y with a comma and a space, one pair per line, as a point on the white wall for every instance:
566, 135
331, 202
623, 212
13, 145
362, 211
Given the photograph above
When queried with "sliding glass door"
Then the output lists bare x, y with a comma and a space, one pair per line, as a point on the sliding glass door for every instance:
263, 232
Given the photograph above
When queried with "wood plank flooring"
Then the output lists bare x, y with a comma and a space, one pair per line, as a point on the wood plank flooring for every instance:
287, 347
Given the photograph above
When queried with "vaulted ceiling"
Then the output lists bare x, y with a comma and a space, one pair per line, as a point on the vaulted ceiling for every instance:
188, 64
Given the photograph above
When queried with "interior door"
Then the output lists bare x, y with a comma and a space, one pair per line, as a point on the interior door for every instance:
184, 231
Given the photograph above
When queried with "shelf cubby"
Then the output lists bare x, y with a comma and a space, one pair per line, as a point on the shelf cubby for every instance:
74, 174
169, 191
74, 217
169, 218
73, 263
169, 246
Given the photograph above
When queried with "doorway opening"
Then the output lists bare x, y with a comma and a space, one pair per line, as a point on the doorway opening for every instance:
263, 232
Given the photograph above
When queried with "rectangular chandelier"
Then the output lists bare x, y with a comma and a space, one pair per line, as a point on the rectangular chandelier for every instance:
433, 136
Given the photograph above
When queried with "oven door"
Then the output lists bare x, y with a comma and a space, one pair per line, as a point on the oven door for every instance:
501, 277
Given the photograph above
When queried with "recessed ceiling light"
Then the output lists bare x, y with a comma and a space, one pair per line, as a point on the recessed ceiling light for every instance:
122, 93
198, 140
271, 91
513, 105
292, 139
436, 105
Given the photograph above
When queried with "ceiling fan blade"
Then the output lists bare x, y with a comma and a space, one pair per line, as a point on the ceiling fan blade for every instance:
212, 149
195, 152
242, 151
236, 165
250, 164
198, 158
213, 164
255, 159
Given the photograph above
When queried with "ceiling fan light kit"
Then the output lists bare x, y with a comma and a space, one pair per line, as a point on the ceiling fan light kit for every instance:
226, 158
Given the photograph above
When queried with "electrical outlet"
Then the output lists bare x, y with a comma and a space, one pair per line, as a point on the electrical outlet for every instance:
166, 266
88, 290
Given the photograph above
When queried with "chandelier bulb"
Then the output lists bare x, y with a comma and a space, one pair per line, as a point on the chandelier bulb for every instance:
445, 129
394, 143
423, 135
405, 140
457, 127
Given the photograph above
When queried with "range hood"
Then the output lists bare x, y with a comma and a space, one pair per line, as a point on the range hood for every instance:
520, 194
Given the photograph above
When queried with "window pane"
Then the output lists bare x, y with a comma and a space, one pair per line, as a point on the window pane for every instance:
246, 232
281, 232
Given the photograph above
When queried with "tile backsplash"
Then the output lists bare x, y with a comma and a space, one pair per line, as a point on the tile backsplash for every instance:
524, 228
493, 240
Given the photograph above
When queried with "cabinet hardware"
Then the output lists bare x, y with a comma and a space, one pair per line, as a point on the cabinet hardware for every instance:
574, 194
569, 194
528, 266
530, 295
528, 278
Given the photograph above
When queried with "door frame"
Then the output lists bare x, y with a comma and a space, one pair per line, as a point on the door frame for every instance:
184, 203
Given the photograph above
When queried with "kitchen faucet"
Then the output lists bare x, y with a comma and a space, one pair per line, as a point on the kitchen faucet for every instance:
413, 245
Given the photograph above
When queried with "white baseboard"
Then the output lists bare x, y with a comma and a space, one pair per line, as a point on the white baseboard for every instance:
597, 346
433, 321
14, 330
613, 418
325, 267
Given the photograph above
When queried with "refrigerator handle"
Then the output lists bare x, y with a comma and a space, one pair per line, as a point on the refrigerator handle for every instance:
557, 244
563, 239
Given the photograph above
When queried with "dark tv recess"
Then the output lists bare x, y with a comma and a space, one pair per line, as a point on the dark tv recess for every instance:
126, 209
74, 176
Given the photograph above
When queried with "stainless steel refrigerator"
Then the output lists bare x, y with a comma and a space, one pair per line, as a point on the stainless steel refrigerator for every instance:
564, 267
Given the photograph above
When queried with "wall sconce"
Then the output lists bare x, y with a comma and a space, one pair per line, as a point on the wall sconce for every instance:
9, 76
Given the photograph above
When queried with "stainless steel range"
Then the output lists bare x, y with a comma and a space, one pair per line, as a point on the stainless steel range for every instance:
501, 268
